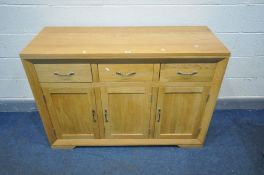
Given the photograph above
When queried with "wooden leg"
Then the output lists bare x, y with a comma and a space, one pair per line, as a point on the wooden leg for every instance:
62, 147
191, 146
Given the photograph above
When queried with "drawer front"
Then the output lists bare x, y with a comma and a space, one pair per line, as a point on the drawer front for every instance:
187, 72
125, 72
64, 72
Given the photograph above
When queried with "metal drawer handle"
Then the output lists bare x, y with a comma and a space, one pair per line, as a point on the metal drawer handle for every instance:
64, 75
187, 73
126, 74
105, 115
158, 116
94, 115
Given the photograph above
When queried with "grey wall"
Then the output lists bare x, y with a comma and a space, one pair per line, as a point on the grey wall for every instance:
238, 23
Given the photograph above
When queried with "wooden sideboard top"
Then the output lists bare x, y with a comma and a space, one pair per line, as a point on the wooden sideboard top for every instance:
124, 42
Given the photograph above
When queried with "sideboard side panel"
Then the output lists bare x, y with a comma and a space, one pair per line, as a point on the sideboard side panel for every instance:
38, 95
213, 94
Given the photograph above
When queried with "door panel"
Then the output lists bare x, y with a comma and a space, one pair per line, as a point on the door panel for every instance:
126, 111
72, 111
179, 111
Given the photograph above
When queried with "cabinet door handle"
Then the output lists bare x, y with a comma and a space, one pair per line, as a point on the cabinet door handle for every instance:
187, 73
64, 75
94, 115
105, 115
158, 115
126, 74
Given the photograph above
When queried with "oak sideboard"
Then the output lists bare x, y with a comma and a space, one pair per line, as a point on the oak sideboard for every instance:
113, 86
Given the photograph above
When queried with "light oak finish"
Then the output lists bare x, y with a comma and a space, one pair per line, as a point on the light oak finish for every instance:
64, 72
125, 142
208, 112
125, 72
116, 86
179, 111
62, 147
124, 42
190, 146
73, 110
187, 72
126, 111
40, 100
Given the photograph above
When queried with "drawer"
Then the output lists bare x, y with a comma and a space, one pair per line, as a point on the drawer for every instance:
125, 72
187, 72
64, 72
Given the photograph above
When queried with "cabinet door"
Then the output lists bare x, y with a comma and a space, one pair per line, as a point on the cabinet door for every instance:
179, 112
126, 111
72, 111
